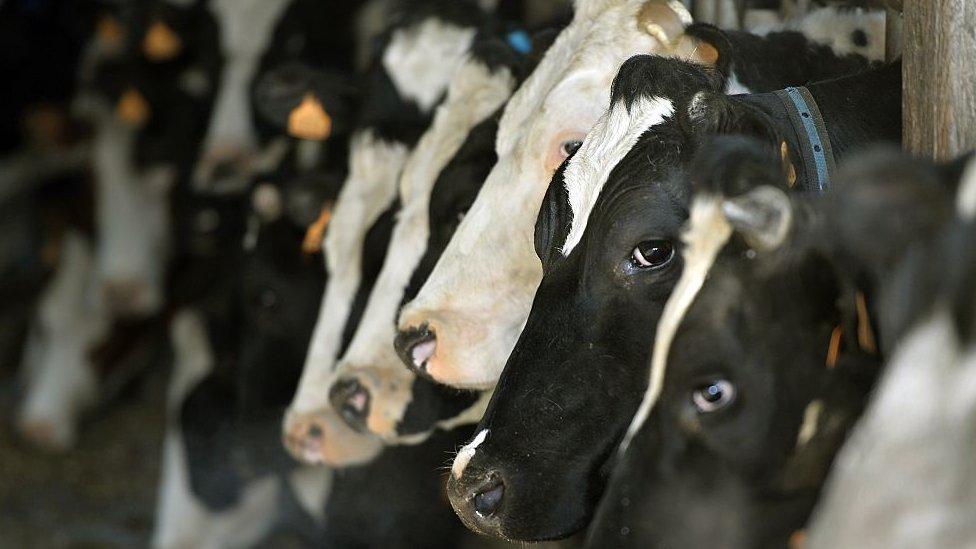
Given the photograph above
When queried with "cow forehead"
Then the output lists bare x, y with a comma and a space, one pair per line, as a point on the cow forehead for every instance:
604, 147
584, 57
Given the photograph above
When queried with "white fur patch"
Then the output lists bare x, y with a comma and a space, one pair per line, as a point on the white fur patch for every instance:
835, 28
604, 147
60, 381
312, 486
369, 190
966, 196
706, 233
466, 453
422, 59
133, 217
811, 418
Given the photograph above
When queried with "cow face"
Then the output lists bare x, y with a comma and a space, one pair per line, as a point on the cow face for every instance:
606, 280
754, 333
466, 319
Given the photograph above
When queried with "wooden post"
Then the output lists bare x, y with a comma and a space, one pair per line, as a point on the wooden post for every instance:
939, 102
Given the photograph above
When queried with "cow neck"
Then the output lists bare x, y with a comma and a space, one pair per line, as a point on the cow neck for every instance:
798, 122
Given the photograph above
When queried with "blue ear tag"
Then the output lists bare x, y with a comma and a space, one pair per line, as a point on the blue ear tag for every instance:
520, 41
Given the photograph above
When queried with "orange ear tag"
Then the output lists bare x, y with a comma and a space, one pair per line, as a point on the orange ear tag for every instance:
132, 108
316, 231
161, 43
309, 120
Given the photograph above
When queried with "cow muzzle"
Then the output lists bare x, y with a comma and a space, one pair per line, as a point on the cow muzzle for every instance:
323, 438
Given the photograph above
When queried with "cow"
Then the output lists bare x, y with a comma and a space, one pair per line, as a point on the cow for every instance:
404, 86
903, 478
143, 116
764, 354
606, 236
465, 321
246, 311
441, 179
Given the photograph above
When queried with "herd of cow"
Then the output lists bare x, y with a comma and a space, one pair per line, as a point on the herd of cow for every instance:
601, 271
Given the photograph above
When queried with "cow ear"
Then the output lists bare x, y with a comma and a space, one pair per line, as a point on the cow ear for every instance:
668, 21
708, 45
763, 216
306, 102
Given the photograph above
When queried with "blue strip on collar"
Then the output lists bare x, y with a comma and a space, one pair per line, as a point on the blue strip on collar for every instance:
814, 137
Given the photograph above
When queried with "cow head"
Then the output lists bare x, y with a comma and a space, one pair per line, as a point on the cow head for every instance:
762, 360
440, 181
469, 313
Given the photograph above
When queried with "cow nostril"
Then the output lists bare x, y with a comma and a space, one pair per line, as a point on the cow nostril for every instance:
351, 399
489, 500
416, 348
314, 432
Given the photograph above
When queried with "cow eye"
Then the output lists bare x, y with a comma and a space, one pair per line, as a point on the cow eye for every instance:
568, 148
652, 254
713, 396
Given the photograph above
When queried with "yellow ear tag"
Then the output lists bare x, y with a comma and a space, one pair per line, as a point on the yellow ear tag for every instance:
132, 108
108, 31
161, 43
309, 120
312, 244
784, 153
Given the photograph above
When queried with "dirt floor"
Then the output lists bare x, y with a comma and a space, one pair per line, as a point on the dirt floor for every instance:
102, 493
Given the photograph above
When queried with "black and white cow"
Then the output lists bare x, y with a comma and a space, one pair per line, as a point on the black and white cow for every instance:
607, 238
764, 353
409, 78
440, 180
464, 321
145, 115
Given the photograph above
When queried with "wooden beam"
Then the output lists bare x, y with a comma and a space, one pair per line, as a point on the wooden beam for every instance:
939, 102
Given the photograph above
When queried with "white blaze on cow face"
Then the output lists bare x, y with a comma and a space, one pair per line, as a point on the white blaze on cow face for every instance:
246, 30
706, 233
475, 93
605, 146
466, 453
479, 295
181, 519
421, 59
59, 377
133, 220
